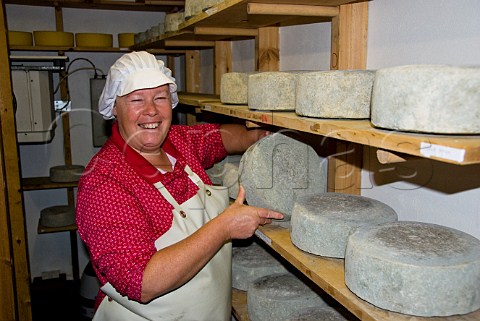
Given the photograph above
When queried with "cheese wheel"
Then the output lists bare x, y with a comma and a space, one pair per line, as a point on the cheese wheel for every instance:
56, 216
66, 173
427, 98
194, 7
317, 314
415, 268
234, 88
252, 262
321, 223
173, 21
218, 171
334, 94
277, 169
272, 90
274, 297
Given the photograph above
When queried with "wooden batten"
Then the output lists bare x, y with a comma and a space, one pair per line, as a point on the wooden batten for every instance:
205, 31
291, 10
189, 43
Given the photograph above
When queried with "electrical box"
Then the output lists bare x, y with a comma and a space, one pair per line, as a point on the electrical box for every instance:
34, 113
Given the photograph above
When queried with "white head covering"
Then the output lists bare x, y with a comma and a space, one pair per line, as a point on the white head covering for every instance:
134, 71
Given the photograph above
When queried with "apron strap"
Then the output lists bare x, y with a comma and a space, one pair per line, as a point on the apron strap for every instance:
165, 193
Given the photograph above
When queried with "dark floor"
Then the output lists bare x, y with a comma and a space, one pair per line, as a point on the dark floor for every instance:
57, 299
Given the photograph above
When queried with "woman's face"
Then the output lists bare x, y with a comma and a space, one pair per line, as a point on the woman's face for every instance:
144, 117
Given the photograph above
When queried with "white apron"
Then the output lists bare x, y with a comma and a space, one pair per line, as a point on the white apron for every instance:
207, 296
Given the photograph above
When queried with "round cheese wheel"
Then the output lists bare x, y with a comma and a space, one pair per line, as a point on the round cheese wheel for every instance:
321, 223
252, 262
318, 314
274, 297
415, 268
56, 216
334, 94
427, 98
173, 21
272, 90
66, 173
234, 88
277, 169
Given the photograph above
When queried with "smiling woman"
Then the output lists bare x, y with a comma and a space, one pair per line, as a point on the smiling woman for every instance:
155, 228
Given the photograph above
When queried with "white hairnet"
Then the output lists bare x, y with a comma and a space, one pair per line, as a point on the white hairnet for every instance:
134, 71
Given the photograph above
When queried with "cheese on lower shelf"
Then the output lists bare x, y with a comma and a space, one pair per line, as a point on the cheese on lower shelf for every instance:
437, 99
321, 223
173, 21
252, 262
272, 90
66, 173
415, 268
318, 314
57, 216
277, 169
334, 94
274, 297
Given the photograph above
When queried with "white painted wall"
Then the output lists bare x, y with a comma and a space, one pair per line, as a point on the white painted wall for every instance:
400, 32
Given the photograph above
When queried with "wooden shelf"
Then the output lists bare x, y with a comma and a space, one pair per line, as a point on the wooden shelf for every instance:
328, 273
197, 100
90, 49
454, 149
240, 19
239, 305
39, 183
147, 5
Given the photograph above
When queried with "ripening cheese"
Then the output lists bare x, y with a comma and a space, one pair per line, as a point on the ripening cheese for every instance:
173, 21
234, 88
334, 94
321, 223
252, 262
194, 7
277, 169
56, 216
272, 90
274, 297
230, 179
415, 268
66, 173
437, 99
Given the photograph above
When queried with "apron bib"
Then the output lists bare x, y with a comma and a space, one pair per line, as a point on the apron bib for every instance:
207, 296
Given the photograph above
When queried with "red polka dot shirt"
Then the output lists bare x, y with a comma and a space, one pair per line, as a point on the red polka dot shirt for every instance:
120, 213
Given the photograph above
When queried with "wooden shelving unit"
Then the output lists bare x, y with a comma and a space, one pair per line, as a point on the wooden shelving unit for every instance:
39, 183
455, 149
92, 49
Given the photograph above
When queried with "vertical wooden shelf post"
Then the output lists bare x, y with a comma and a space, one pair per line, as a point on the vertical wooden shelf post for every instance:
349, 51
14, 267
223, 62
267, 47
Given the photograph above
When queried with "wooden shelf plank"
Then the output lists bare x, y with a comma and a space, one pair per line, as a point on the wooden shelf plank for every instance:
39, 183
454, 149
197, 100
328, 273
91, 49
239, 305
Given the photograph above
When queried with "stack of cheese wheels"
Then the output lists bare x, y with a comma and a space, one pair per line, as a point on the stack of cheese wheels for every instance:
334, 94
252, 262
319, 314
415, 268
321, 223
272, 90
56, 216
274, 297
173, 21
66, 173
427, 98
277, 169
234, 88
